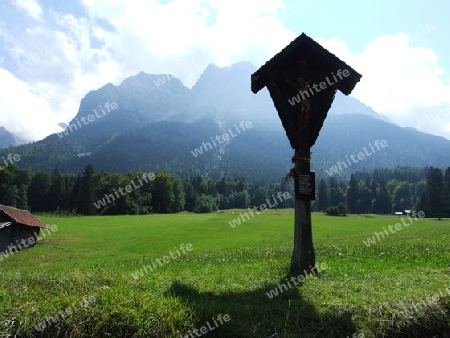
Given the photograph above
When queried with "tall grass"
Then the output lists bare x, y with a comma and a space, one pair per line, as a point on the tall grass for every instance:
393, 288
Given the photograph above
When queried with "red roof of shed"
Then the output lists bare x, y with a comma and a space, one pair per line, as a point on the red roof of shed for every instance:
21, 217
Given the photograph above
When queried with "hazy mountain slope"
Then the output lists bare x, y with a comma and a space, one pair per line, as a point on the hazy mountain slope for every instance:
7, 139
140, 99
224, 95
348, 105
344, 135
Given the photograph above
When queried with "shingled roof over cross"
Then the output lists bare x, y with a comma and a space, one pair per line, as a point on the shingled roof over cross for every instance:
318, 64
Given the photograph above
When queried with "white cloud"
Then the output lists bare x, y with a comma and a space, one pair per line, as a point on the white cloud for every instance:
56, 66
65, 57
31, 6
400, 81
24, 113
181, 30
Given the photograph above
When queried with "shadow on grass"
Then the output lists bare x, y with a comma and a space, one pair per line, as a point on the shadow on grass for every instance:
255, 314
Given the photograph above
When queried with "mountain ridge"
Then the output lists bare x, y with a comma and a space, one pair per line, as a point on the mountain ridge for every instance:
157, 126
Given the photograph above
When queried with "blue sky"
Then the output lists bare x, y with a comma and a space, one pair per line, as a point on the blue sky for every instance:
53, 52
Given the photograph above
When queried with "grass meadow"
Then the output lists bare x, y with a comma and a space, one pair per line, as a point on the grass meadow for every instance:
83, 280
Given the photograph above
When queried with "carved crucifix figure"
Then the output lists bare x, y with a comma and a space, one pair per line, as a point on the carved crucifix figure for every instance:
305, 106
300, 77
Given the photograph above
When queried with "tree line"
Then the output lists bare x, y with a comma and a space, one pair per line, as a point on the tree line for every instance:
80, 194
381, 191
384, 191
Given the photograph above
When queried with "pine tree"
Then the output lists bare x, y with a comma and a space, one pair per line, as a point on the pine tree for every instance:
87, 192
352, 195
402, 196
435, 192
190, 196
323, 195
179, 197
385, 200
446, 200
38, 192
56, 191
162, 195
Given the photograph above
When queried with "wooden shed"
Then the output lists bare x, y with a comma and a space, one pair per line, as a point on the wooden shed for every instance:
19, 229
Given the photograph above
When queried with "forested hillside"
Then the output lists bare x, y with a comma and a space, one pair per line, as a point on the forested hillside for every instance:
260, 154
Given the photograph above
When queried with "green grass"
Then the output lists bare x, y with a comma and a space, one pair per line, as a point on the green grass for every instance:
364, 290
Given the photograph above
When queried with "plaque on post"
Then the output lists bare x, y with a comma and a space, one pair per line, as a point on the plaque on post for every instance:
305, 186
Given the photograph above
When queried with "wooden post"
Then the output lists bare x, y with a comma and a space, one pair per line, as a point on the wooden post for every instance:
303, 255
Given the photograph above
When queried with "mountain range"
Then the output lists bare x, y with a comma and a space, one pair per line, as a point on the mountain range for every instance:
159, 124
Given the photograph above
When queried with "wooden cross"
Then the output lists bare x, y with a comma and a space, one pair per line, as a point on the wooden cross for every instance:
302, 80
